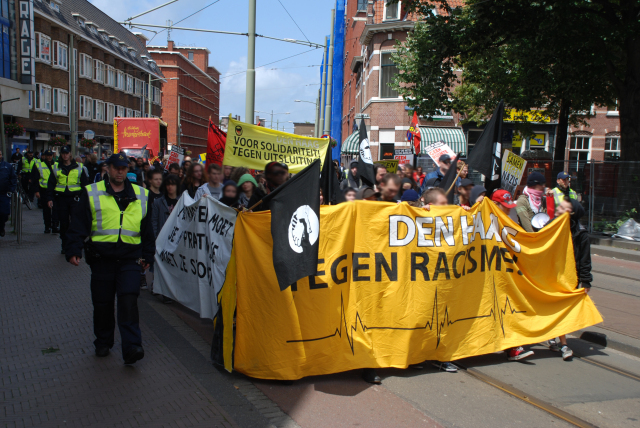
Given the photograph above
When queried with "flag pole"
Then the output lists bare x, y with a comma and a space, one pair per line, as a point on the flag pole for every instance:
454, 182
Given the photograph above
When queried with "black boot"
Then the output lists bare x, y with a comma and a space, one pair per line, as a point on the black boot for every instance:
370, 375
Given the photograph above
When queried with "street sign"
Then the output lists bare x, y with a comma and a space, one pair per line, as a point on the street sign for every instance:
362, 116
89, 135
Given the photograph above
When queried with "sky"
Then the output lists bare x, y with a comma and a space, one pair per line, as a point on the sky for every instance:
277, 84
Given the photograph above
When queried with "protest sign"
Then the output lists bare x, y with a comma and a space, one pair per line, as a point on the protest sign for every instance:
403, 156
390, 164
438, 149
512, 170
396, 285
192, 252
176, 156
253, 147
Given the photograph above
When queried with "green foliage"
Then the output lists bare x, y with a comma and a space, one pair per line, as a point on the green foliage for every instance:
613, 227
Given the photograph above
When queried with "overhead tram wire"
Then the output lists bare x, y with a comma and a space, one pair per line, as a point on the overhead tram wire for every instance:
187, 17
294, 21
273, 62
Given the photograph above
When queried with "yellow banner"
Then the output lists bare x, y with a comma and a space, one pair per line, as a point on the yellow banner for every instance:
398, 285
390, 164
253, 147
536, 116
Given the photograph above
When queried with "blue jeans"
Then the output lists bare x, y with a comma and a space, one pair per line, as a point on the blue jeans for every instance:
111, 279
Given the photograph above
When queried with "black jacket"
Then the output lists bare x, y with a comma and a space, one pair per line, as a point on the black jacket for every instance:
84, 179
80, 229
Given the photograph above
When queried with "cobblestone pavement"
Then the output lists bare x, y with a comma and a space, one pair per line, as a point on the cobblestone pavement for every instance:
50, 375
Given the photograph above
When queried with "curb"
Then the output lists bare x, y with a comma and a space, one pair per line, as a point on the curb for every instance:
615, 253
614, 340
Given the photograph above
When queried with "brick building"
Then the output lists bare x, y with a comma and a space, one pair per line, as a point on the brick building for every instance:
372, 30
112, 73
191, 94
305, 129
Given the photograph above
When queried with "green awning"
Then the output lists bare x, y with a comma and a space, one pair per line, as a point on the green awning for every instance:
350, 145
454, 137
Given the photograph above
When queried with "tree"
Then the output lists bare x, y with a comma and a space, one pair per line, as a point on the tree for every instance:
557, 55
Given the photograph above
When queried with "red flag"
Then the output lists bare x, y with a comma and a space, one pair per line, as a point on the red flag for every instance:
415, 132
216, 141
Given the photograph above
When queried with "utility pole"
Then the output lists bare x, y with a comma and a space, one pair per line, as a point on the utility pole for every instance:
251, 65
324, 86
149, 94
73, 114
329, 97
317, 125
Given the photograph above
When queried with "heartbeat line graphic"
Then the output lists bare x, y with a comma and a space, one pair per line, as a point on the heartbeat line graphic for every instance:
495, 312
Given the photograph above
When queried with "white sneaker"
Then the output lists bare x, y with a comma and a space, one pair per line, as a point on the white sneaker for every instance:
567, 353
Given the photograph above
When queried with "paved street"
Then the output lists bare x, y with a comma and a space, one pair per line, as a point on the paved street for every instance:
50, 376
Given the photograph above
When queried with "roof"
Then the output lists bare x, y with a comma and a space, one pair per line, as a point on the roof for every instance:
65, 17
189, 48
204, 73
385, 27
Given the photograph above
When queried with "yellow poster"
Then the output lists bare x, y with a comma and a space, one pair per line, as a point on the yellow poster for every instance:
537, 140
516, 140
253, 147
390, 164
397, 285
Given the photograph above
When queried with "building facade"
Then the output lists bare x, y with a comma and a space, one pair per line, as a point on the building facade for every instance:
86, 70
305, 129
191, 94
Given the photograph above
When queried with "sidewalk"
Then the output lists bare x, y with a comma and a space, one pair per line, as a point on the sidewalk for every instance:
50, 375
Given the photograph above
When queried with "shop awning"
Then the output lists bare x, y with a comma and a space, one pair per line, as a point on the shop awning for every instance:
454, 137
350, 145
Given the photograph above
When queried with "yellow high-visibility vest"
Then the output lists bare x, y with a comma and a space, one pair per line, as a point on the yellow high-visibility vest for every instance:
108, 223
558, 195
45, 172
27, 165
71, 181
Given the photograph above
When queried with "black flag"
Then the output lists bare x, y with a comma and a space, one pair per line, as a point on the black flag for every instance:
329, 180
449, 178
365, 163
295, 226
486, 154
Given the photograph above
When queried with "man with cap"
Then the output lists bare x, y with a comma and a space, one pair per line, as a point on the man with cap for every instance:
8, 183
562, 190
26, 169
504, 202
532, 200
352, 177
114, 216
444, 163
42, 174
69, 179
464, 192
276, 174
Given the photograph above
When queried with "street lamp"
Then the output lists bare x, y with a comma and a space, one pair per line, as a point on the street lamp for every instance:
317, 104
149, 94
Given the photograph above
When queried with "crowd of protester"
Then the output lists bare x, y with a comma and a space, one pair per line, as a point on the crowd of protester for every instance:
243, 189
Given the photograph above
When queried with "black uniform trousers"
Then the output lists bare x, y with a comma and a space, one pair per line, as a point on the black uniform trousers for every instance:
111, 279
46, 211
29, 188
64, 204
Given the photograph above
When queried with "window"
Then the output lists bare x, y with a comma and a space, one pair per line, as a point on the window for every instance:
111, 76
156, 95
129, 84
43, 48
60, 52
190, 54
86, 106
137, 113
43, 97
362, 5
7, 44
388, 71
120, 111
53, 5
30, 96
612, 110
120, 81
111, 112
392, 11
98, 73
85, 66
81, 22
129, 112
60, 101
579, 151
138, 87
612, 148
98, 110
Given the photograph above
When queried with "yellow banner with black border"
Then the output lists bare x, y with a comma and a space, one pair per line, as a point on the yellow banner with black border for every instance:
253, 147
398, 285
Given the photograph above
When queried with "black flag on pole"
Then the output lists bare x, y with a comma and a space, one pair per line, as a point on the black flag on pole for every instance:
365, 162
449, 178
486, 154
329, 181
295, 226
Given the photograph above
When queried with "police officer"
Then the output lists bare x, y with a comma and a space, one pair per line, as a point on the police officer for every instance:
70, 178
115, 216
26, 168
8, 183
563, 190
42, 174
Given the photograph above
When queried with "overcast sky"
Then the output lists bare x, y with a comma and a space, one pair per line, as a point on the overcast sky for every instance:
278, 84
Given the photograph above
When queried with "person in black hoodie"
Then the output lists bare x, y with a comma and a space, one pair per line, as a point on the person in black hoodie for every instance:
115, 217
352, 179
582, 254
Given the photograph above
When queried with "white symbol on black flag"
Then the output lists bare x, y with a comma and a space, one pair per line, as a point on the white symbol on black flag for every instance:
365, 162
295, 226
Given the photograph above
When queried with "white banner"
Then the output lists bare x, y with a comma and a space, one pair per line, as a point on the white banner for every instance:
192, 253
438, 149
